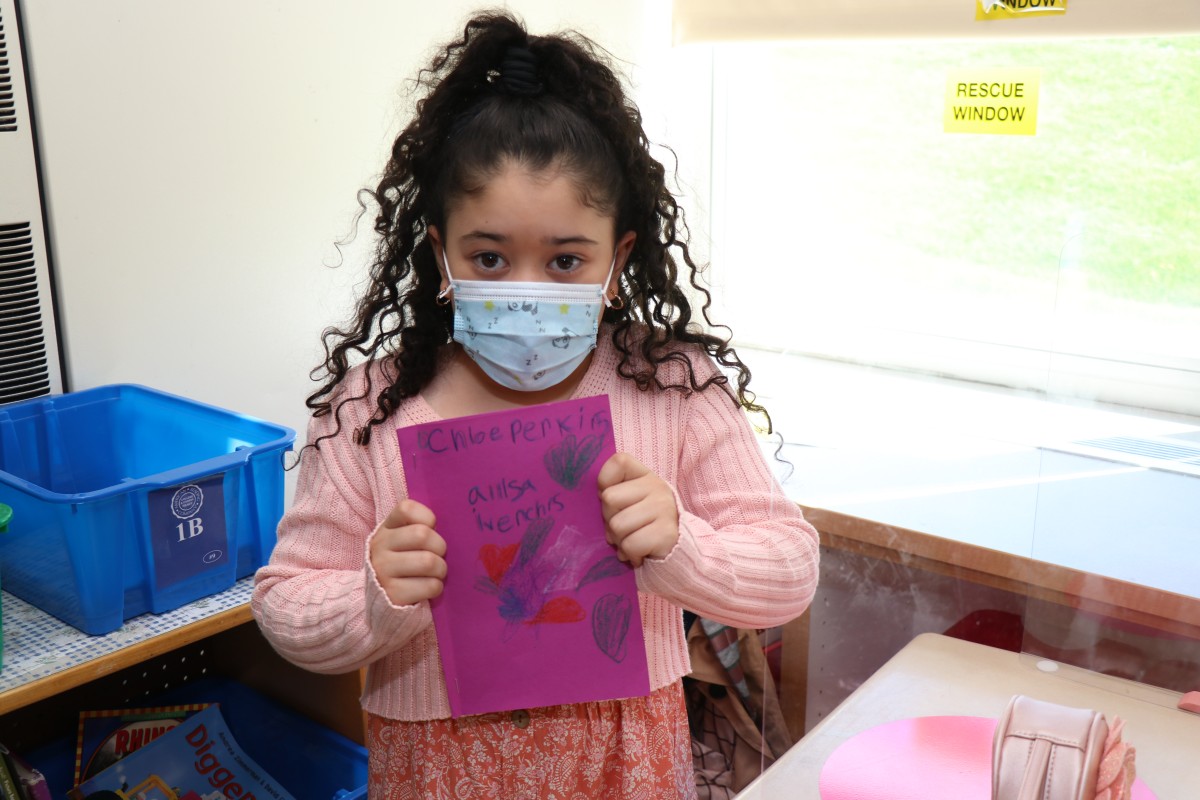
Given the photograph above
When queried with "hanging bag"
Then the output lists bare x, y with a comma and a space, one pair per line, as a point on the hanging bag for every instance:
737, 723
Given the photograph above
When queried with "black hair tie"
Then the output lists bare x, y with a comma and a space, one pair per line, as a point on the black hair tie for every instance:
518, 72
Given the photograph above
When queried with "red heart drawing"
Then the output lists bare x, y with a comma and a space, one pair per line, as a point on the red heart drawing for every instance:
559, 609
496, 559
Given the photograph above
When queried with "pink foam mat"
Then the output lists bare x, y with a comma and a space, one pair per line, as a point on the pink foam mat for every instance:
923, 758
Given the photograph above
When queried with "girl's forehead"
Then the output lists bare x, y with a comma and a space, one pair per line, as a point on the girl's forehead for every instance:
519, 199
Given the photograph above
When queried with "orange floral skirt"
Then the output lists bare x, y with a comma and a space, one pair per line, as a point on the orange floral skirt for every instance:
636, 748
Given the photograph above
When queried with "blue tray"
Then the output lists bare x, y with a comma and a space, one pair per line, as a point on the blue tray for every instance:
128, 500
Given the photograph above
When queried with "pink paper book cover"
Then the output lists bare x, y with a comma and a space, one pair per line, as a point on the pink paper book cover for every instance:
537, 610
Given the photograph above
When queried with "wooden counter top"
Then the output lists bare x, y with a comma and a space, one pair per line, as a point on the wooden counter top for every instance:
940, 676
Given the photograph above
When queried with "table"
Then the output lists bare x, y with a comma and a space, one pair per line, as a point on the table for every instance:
935, 675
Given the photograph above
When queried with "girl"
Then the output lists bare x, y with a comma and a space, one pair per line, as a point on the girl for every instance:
527, 164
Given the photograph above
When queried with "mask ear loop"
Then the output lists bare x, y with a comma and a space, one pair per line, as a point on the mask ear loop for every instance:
615, 302
443, 297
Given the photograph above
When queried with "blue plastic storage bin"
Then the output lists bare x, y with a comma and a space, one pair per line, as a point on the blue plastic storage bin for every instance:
309, 760
128, 500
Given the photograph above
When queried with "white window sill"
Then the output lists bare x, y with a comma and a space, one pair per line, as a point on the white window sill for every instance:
986, 466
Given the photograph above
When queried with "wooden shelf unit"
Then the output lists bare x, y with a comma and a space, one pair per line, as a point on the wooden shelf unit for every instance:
216, 636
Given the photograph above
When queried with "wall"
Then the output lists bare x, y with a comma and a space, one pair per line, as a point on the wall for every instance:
201, 159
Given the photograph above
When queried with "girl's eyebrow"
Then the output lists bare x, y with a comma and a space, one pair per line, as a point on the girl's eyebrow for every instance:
486, 236
561, 240
500, 238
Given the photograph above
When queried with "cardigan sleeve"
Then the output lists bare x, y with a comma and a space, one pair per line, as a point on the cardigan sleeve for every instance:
746, 556
318, 601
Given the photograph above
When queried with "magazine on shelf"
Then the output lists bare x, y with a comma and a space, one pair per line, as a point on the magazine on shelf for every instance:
29, 782
106, 736
198, 759
8, 780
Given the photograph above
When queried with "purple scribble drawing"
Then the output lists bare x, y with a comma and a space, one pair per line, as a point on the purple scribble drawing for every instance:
569, 460
610, 624
609, 567
534, 580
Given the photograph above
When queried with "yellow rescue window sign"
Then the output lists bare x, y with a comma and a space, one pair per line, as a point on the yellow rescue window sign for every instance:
1003, 101
1016, 9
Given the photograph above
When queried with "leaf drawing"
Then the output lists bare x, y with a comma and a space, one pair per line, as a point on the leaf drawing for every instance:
607, 567
531, 541
610, 624
568, 461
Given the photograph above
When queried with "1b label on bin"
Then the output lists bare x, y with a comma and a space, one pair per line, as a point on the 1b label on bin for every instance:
187, 529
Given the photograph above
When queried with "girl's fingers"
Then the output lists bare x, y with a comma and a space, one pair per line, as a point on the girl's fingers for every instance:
410, 576
413, 564
637, 504
408, 555
410, 512
409, 537
620, 468
410, 591
620, 497
640, 515
633, 518
649, 542
648, 529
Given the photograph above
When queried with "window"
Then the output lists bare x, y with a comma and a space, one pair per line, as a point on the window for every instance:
847, 223
1068, 260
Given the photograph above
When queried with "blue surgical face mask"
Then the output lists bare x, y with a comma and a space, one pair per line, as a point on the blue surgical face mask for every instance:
527, 336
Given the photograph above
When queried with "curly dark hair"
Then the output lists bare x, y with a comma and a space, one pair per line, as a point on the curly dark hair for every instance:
499, 95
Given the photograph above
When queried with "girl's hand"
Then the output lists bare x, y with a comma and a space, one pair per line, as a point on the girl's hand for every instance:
408, 554
639, 510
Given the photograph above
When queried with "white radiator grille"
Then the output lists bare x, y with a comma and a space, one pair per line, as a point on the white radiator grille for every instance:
29, 347
24, 370
8, 103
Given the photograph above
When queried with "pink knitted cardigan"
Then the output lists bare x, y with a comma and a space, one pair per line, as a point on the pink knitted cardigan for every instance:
745, 556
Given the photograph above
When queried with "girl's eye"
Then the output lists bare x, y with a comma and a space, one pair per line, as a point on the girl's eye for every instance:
566, 263
489, 262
